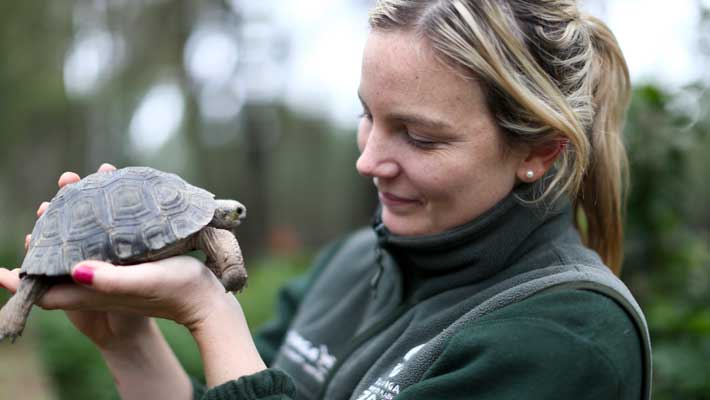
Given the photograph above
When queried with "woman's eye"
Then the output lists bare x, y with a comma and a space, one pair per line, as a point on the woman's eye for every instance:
365, 115
420, 143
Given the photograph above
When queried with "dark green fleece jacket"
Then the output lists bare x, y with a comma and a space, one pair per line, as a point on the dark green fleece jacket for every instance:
352, 328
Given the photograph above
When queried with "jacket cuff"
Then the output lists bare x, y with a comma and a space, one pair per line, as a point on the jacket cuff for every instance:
198, 388
270, 383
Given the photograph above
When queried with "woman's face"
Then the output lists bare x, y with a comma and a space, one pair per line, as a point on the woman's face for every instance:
427, 138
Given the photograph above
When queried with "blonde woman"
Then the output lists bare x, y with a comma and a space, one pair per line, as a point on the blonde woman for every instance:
491, 130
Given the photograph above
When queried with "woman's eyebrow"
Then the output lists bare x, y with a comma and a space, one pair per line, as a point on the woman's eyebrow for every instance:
420, 120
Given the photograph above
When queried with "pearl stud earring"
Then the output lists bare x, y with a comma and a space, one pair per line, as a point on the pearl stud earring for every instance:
530, 174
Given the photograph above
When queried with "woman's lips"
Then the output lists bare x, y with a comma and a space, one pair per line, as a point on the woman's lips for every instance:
392, 200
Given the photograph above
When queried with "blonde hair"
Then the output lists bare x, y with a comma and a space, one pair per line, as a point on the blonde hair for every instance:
550, 73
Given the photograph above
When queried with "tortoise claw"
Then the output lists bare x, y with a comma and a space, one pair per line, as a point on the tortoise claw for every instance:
234, 278
12, 336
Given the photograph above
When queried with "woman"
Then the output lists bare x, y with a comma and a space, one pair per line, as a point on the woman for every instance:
489, 126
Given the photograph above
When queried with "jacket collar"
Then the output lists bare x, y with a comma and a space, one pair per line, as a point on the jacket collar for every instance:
483, 246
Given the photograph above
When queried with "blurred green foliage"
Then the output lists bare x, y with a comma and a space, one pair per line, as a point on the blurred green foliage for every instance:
667, 261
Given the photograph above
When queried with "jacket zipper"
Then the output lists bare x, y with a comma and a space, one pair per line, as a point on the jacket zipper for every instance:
364, 337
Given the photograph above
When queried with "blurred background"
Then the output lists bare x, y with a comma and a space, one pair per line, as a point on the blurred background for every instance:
256, 100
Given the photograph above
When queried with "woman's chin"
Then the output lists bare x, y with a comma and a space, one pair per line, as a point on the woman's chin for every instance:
404, 225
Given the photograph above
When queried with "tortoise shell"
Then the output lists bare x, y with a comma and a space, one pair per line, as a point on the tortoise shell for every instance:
116, 216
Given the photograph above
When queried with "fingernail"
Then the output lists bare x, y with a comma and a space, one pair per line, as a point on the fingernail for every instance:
84, 275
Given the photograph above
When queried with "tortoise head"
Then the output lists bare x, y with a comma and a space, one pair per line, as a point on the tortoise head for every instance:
228, 214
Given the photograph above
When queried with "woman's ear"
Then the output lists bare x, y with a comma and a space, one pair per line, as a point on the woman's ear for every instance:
539, 159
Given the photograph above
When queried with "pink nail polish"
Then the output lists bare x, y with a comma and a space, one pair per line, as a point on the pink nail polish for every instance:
84, 275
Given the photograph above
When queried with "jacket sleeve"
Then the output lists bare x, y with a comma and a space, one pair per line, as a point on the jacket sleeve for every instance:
537, 356
271, 384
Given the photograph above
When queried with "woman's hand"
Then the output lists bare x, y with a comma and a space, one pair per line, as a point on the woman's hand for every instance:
180, 288
110, 303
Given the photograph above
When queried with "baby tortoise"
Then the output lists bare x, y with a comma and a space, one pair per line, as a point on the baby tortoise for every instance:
127, 216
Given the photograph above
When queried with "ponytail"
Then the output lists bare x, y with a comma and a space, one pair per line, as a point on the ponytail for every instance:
602, 195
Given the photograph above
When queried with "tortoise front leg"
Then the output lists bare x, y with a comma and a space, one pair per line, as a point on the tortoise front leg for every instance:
224, 257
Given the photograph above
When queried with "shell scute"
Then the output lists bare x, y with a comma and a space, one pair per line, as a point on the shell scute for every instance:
157, 234
72, 254
96, 248
125, 244
50, 231
168, 195
181, 226
127, 201
83, 216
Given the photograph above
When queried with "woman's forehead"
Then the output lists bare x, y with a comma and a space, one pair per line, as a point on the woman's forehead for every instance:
401, 70
400, 58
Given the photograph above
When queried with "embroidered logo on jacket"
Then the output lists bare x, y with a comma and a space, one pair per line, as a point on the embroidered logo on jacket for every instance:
315, 360
386, 388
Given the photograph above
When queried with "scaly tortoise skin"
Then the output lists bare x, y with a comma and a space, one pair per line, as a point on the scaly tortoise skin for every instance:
127, 216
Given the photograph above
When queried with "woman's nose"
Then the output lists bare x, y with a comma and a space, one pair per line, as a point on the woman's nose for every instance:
377, 158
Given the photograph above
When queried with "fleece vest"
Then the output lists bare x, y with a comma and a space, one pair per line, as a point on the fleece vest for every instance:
383, 307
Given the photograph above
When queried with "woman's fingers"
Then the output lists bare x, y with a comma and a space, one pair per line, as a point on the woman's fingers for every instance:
105, 167
28, 239
72, 177
142, 280
68, 178
178, 288
136, 280
67, 296
10, 279
42, 208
